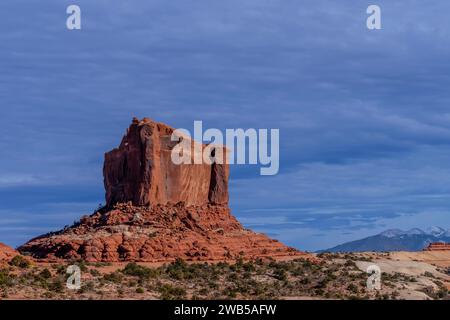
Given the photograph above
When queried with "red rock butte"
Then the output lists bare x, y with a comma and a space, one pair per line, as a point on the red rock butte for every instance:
141, 171
157, 211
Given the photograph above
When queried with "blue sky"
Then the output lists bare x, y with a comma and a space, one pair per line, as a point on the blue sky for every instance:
364, 116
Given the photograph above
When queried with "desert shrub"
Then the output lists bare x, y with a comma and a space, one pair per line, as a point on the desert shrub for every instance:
57, 285
321, 284
140, 290
298, 271
114, 277
395, 295
319, 292
248, 267
101, 264
440, 293
81, 264
280, 274
304, 281
60, 269
203, 292
222, 265
133, 269
213, 285
180, 270
366, 259
385, 296
169, 292
94, 272
87, 287
330, 277
305, 263
46, 274
6, 280
19, 261
232, 277
352, 288
230, 292
350, 263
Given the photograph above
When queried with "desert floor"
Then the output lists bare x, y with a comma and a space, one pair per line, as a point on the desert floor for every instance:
404, 275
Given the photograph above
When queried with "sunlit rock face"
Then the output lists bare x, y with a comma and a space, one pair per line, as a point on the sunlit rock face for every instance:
141, 170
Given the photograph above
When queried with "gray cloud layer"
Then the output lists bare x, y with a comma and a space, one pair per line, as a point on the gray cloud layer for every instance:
363, 115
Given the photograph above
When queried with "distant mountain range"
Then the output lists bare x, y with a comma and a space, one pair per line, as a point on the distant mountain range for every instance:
395, 240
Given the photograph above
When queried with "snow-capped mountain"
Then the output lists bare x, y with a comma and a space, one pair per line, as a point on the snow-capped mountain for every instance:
436, 231
392, 233
395, 240
414, 231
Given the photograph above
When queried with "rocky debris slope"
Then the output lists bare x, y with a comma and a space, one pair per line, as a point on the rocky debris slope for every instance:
7, 253
157, 233
158, 211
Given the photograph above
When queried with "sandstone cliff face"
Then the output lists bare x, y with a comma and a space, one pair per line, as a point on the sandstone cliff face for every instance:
158, 211
141, 171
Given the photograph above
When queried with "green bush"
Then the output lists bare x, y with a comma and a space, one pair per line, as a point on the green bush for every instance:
56, 286
19, 261
133, 269
169, 292
6, 280
280, 274
352, 288
46, 274
140, 290
113, 277
180, 270
87, 287
94, 272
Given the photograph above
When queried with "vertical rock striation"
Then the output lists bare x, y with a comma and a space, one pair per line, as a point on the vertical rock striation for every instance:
140, 170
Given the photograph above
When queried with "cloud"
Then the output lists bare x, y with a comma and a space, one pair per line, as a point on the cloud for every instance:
363, 116
349, 198
17, 179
